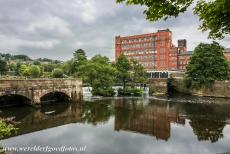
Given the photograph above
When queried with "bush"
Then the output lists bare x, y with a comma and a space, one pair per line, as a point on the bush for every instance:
57, 73
107, 92
35, 71
6, 129
130, 92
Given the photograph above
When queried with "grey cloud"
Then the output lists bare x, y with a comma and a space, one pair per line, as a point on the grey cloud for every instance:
56, 28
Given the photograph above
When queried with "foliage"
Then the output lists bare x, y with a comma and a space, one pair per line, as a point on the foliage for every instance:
79, 59
99, 73
58, 73
36, 62
17, 69
35, 71
12, 66
214, 15
207, 65
3, 66
123, 70
138, 73
128, 91
24, 70
6, 129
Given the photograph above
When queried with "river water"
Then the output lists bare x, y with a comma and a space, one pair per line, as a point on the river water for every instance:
125, 126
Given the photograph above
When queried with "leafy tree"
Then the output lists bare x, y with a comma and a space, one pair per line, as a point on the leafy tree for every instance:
207, 65
123, 70
3, 66
36, 62
17, 70
79, 59
99, 73
12, 67
49, 67
25, 70
35, 71
214, 15
138, 75
58, 73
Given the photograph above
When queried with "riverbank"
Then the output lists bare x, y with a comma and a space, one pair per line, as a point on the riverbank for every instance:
169, 99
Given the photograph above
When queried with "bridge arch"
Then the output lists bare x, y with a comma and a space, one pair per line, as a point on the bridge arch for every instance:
55, 96
14, 99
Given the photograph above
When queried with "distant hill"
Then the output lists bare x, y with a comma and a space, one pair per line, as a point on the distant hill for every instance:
15, 57
25, 58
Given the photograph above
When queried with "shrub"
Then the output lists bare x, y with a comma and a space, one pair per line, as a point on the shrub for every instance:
130, 92
35, 71
106, 92
57, 73
6, 129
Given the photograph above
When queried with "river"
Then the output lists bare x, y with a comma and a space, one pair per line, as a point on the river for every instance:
125, 126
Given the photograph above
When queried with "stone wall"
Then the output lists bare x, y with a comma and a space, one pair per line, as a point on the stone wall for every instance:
219, 89
159, 86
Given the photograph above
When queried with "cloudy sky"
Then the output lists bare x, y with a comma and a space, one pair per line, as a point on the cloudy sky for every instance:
56, 28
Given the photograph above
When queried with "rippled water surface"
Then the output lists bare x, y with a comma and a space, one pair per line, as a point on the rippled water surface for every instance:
125, 126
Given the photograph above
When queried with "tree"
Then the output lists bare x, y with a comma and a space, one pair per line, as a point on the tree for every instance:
12, 67
36, 62
58, 73
25, 70
207, 65
99, 73
138, 75
79, 59
214, 15
35, 71
123, 70
3, 66
17, 69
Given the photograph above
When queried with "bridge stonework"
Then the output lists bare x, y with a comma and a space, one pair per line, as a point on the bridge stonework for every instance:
34, 89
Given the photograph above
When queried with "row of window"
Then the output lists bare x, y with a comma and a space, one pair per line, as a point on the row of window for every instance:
152, 38
141, 58
147, 64
138, 45
183, 62
158, 74
134, 52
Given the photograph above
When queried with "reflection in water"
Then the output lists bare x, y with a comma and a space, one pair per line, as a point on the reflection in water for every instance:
132, 116
208, 121
152, 119
95, 113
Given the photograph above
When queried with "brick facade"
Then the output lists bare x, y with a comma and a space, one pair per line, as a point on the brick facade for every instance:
155, 51
185, 57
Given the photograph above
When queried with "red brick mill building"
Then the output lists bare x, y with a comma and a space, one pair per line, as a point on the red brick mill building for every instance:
155, 51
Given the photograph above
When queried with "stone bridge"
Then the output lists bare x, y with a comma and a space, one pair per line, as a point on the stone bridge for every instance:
35, 89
